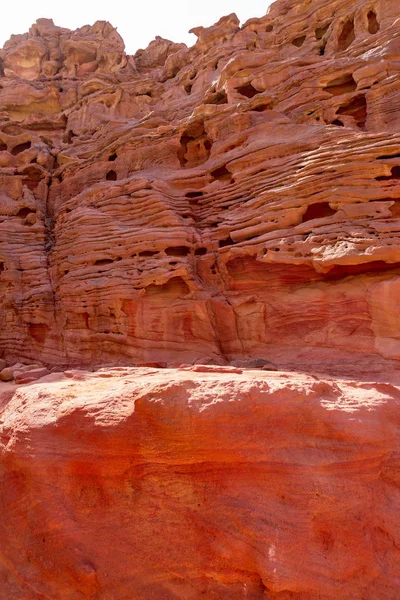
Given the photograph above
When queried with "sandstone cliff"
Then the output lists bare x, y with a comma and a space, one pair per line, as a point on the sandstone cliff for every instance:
234, 202
235, 199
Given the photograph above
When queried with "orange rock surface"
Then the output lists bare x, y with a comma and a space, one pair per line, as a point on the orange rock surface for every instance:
234, 199
177, 484
172, 221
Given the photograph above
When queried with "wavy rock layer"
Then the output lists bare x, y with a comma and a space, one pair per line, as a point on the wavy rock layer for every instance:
166, 485
235, 199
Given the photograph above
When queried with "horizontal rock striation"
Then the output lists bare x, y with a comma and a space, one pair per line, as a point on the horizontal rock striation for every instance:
239, 198
233, 202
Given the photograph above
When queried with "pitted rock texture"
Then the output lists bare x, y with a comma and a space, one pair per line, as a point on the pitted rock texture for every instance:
237, 199
222, 484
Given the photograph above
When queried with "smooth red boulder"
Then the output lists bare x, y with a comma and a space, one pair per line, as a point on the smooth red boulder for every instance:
174, 484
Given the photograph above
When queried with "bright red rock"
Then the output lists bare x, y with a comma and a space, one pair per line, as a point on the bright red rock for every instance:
176, 484
230, 210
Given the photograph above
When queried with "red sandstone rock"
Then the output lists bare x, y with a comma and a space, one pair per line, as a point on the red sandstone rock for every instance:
6, 374
172, 484
233, 200
31, 374
154, 365
235, 204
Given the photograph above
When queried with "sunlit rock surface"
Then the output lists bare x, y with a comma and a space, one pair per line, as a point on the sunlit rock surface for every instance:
235, 207
179, 484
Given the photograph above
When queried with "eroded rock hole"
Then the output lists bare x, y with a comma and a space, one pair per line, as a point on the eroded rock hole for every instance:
347, 36
226, 242
387, 156
103, 261
356, 108
32, 177
269, 28
111, 176
20, 148
1, 267
338, 123
194, 195
373, 25
248, 90
177, 251
188, 89
341, 85
24, 212
3, 147
195, 146
340, 271
222, 174
148, 253
70, 136
113, 157
262, 107
395, 174
299, 41
321, 31
320, 210
200, 251
321, 50
217, 98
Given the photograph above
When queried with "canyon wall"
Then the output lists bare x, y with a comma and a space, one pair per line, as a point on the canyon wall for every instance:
236, 199
233, 202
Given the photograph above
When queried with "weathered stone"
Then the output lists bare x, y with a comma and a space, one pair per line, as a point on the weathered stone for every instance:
236, 199
235, 204
6, 374
146, 484
32, 374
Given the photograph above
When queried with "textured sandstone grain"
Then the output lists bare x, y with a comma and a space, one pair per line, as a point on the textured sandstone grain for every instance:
166, 485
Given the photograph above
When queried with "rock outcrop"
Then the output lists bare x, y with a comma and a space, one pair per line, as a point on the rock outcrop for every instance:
179, 484
231, 210
234, 200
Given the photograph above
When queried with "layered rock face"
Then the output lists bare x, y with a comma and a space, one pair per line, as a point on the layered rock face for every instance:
236, 199
167, 485
234, 202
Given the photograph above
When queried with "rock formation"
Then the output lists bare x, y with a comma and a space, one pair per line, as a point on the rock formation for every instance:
235, 199
165, 484
230, 206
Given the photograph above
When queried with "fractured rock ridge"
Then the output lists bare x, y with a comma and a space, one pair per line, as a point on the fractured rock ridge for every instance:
239, 198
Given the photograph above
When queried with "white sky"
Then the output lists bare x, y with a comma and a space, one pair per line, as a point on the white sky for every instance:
138, 22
